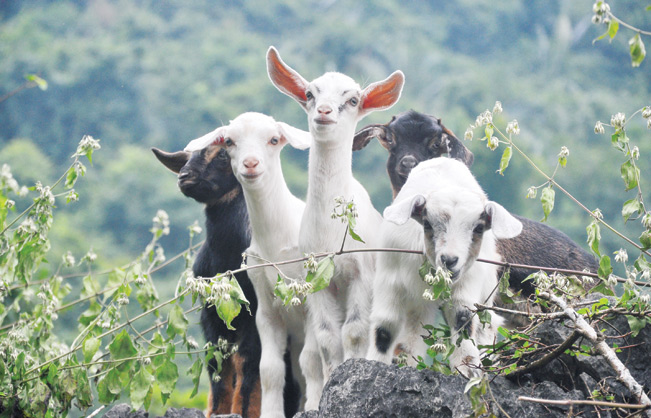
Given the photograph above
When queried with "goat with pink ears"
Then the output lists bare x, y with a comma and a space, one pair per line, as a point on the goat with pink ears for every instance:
334, 103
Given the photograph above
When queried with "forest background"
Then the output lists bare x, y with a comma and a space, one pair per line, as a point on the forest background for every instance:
137, 74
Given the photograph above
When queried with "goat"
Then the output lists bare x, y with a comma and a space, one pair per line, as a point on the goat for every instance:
334, 103
207, 177
457, 225
412, 137
253, 142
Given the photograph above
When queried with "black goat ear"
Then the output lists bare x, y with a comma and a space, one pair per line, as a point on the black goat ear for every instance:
456, 149
172, 160
364, 136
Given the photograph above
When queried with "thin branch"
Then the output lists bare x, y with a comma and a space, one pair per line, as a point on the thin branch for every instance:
570, 402
598, 340
543, 361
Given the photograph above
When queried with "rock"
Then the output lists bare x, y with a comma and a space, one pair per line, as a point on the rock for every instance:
123, 410
361, 388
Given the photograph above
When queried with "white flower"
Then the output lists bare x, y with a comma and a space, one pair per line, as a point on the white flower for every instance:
162, 222
646, 274
597, 214
635, 153
564, 152
621, 256
468, 135
645, 298
493, 143
438, 347
295, 301
10, 204
532, 192
192, 343
68, 259
646, 112
429, 279
497, 109
195, 229
596, 19
618, 120
612, 280
648, 123
86, 144
428, 295
513, 127
599, 128
123, 300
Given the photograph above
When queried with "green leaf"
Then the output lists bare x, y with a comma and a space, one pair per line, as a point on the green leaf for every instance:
113, 381
166, 375
630, 207
488, 131
282, 291
228, 310
90, 287
177, 323
103, 393
425, 268
71, 178
484, 317
619, 139
506, 158
594, 236
320, 279
140, 388
195, 373
83, 393
52, 372
605, 268
122, 347
547, 200
90, 347
630, 174
636, 324
40, 83
645, 240
354, 235
638, 52
237, 293
613, 27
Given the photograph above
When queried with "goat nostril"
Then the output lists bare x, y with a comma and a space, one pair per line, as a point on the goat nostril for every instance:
324, 110
183, 175
251, 163
449, 261
408, 162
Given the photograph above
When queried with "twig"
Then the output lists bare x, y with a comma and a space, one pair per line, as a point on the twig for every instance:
97, 411
543, 315
570, 402
547, 358
598, 340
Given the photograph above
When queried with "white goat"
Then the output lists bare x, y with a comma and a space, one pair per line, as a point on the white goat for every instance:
254, 142
334, 103
457, 225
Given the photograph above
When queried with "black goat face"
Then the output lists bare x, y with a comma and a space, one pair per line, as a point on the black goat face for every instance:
410, 138
205, 175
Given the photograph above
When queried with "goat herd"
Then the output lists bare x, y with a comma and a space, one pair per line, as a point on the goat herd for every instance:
374, 302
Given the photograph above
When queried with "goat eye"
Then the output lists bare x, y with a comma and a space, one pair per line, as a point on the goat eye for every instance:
427, 226
353, 101
228, 142
222, 154
479, 229
309, 95
274, 141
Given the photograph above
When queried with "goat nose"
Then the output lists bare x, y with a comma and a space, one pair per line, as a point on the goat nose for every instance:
251, 162
183, 175
408, 162
449, 261
324, 109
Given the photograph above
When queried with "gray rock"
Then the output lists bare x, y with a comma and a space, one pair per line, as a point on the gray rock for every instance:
123, 410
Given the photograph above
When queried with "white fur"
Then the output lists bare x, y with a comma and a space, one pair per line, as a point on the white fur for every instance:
440, 186
275, 215
340, 313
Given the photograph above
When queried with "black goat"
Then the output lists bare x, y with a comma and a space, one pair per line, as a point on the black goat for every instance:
207, 177
412, 137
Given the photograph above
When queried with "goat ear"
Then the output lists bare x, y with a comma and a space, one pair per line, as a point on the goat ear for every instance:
285, 78
364, 136
214, 137
172, 160
503, 224
297, 138
382, 94
400, 212
456, 149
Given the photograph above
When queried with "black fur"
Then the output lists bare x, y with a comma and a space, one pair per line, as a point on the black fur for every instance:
421, 137
382, 339
207, 177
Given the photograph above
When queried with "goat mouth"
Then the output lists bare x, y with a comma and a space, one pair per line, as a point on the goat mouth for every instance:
251, 176
324, 121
